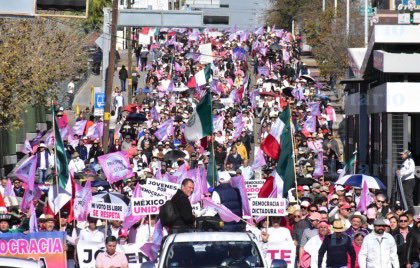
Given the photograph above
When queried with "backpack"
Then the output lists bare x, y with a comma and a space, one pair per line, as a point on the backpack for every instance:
168, 214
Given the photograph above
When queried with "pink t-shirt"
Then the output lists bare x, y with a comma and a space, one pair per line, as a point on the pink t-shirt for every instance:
117, 260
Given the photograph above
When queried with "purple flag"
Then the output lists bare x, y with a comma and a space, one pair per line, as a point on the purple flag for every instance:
365, 198
259, 31
79, 127
116, 166
259, 160
178, 67
263, 70
27, 148
286, 56
26, 171
310, 124
263, 51
225, 214
154, 114
165, 130
95, 131
218, 122
314, 108
8, 190
319, 165
253, 98
297, 93
244, 36
82, 201
33, 222
239, 183
200, 182
28, 197
130, 219
151, 249
238, 53
49, 139
238, 125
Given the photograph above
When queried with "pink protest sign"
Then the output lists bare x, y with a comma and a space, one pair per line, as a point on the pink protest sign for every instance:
116, 166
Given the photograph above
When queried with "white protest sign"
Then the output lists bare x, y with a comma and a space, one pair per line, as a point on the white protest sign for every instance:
268, 206
87, 252
165, 188
147, 191
206, 53
286, 252
146, 206
196, 207
253, 187
105, 211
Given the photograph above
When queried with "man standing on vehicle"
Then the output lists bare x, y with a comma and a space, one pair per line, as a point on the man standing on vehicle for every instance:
185, 218
408, 179
111, 258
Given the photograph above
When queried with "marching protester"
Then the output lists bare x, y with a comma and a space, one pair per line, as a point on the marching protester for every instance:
219, 119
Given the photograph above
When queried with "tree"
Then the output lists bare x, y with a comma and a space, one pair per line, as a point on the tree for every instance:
35, 55
283, 12
96, 14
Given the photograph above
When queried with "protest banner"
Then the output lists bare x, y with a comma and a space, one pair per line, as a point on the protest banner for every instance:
253, 187
165, 188
88, 251
206, 53
268, 207
44, 249
105, 211
148, 191
146, 206
283, 251
116, 166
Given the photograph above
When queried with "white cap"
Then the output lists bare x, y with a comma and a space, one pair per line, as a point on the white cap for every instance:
339, 188
306, 187
305, 204
224, 177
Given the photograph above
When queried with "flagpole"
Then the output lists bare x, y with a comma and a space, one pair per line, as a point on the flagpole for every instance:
213, 161
294, 155
55, 160
355, 160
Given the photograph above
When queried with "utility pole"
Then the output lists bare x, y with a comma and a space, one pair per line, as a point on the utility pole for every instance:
110, 75
129, 55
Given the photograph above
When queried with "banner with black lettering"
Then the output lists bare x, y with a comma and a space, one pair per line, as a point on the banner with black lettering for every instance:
147, 206
88, 251
108, 211
268, 207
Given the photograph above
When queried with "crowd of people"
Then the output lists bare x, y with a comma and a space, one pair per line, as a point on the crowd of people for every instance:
252, 77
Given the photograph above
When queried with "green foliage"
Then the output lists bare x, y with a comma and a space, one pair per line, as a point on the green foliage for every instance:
35, 55
96, 14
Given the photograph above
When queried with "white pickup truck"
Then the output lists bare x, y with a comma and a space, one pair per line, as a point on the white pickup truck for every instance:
212, 249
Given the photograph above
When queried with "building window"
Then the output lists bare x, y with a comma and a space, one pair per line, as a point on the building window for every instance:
216, 20
224, 5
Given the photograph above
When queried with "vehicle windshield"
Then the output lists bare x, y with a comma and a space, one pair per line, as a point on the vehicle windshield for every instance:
213, 254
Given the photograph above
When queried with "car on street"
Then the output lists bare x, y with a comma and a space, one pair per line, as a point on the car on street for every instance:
211, 249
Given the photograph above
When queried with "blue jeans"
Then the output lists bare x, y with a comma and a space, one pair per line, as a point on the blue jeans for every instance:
123, 83
42, 175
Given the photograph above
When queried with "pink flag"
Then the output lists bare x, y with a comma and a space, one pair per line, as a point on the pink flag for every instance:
365, 198
238, 125
218, 122
151, 249
130, 219
259, 160
8, 190
165, 130
319, 165
28, 197
238, 182
82, 201
178, 67
198, 194
49, 139
310, 124
79, 127
116, 166
26, 171
27, 148
314, 108
225, 214
33, 222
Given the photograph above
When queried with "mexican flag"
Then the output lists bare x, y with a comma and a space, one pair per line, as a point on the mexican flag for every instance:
200, 124
60, 194
271, 145
349, 167
283, 176
201, 78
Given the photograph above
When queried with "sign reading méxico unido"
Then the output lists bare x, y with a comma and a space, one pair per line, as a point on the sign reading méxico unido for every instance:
253, 187
43, 249
107, 211
147, 206
268, 206
88, 251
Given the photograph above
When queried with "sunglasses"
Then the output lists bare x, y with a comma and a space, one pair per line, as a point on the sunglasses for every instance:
313, 210
380, 201
403, 221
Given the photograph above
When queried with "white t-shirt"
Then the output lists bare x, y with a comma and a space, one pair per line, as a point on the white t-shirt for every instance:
279, 235
93, 236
